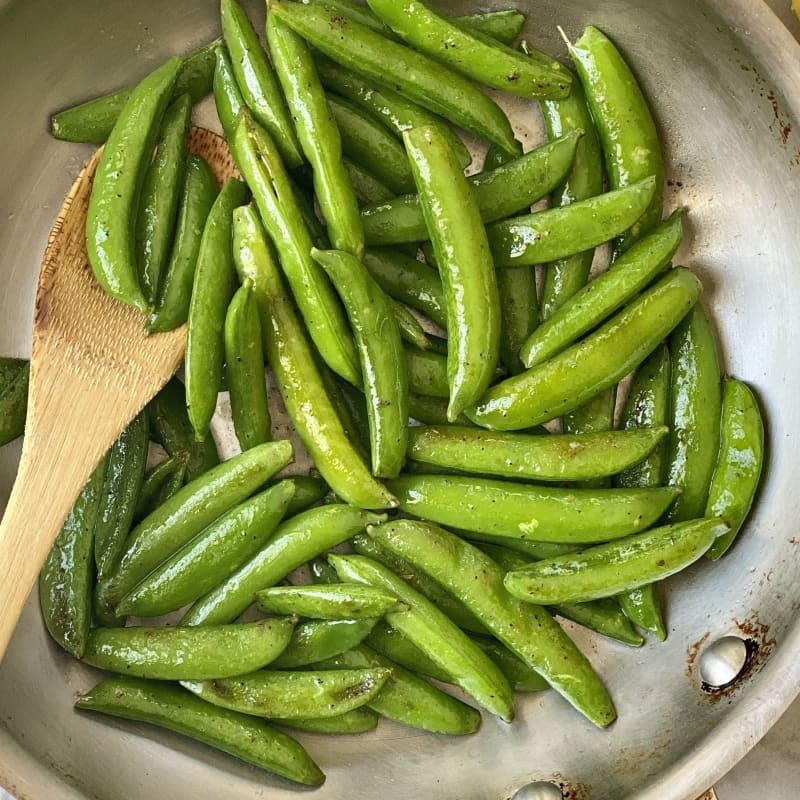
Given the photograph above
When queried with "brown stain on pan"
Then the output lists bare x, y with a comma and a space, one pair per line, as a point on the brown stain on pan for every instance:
571, 790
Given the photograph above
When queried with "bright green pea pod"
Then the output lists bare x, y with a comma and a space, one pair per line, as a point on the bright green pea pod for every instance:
338, 601
436, 635
412, 74
297, 376
608, 292
211, 293
65, 582
197, 198
407, 698
245, 359
741, 457
189, 511
387, 107
608, 569
521, 677
175, 709
193, 654
397, 647
596, 416
159, 484
359, 720
294, 695
227, 95
118, 181
321, 639
499, 193
627, 131
594, 364
93, 120
527, 630
210, 557
122, 484
465, 264
473, 54
560, 232
299, 539
307, 491
642, 607
431, 411
534, 551
367, 187
411, 330
261, 165
170, 427
318, 134
163, 183
257, 82
381, 353
14, 379
523, 511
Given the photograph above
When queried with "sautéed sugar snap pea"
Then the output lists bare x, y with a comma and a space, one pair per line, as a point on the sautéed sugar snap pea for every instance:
332, 601
14, 379
359, 720
316, 640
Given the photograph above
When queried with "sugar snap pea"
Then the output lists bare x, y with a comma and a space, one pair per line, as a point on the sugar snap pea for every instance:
211, 556
308, 490
318, 640
159, 484
410, 328
358, 720
413, 74
521, 677
227, 95
14, 379
608, 569
175, 709
741, 457
595, 416
396, 646
338, 601
534, 551
367, 187
291, 695
584, 370
431, 411
118, 180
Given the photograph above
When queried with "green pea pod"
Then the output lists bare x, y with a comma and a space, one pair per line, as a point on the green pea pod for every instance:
519, 510
465, 264
321, 639
380, 351
322, 572
367, 187
197, 654
170, 427
160, 483
473, 54
411, 331
351, 408
210, 557
163, 183
431, 411
627, 131
595, 416
211, 293
299, 539
527, 630
394, 645
521, 677
499, 193
533, 551
227, 94
65, 582
245, 359
297, 376
584, 370
261, 166
190, 510
117, 187
407, 698
14, 379
122, 484
608, 569
318, 134
359, 720
308, 490
292, 695
197, 198
439, 638
257, 81
741, 457
93, 120
338, 601
433, 86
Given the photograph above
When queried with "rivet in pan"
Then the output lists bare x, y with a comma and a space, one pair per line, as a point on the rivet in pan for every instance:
538, 790
722, 662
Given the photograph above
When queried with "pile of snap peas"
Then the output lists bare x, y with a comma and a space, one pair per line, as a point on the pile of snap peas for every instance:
422, 329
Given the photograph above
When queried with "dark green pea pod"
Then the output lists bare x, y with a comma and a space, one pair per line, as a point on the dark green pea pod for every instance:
160, 483
359, 720
297, 540
158, 207
741, 458
102, 616
308, 490
197, 198
117, 187
427, 372
122, 485
14, 379
227, 95
65, 582
322, 571
170, 427
431, 411
521, 677
351, 408
294, 695
411, 331
93, 120
211, 293
322, 639
336, 601
367, 187
210, 557
257, 81
397, 647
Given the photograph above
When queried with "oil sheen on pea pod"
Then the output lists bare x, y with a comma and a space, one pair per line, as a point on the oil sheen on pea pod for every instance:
14, 379
316, 640
465, 265
227, 95
694, 415
359, 720
66, 579
336, 601
168, 706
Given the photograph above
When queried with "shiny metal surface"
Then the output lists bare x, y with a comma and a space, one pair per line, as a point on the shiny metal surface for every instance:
724, 79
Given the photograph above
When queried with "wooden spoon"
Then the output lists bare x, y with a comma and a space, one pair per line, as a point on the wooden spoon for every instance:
92, 370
